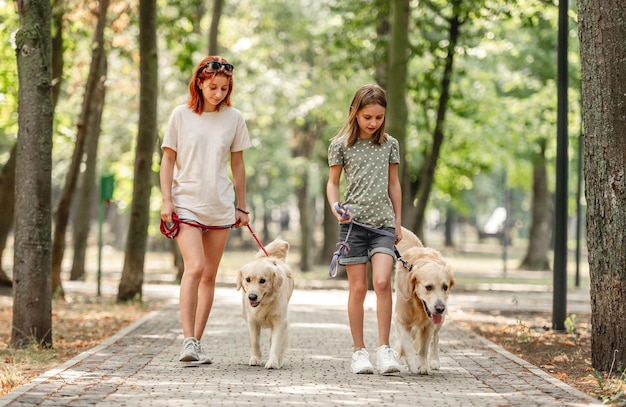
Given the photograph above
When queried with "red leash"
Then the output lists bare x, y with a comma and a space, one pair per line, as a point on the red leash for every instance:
170, 230
257, 240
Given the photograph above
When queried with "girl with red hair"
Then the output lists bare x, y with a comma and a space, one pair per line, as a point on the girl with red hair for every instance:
199, 198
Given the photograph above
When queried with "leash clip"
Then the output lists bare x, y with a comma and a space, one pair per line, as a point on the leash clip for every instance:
406, 264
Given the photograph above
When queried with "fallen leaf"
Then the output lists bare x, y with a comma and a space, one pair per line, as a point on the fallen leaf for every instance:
561, 358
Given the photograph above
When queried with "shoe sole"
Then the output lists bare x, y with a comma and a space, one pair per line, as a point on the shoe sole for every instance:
363, 371
390, 370
188, 358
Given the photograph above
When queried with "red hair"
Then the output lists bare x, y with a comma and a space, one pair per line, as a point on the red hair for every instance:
202, 73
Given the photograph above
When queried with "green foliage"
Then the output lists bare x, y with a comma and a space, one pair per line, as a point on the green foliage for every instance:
503, 101
9, 24
297, 65
612, 387
570, 324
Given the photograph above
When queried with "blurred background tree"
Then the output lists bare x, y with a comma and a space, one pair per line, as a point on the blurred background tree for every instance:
478, 91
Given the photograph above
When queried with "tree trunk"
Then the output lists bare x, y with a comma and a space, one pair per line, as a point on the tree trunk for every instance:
383, 30
214, 29
82, 220
427, 177
65, 202
306, 230
7, 176
267, 219
449, 224
304, 142
331, 232
130, 287
602, 38
32, 299
396, 114
540, 229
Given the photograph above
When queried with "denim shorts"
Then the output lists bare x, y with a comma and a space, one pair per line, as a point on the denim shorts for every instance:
364, 244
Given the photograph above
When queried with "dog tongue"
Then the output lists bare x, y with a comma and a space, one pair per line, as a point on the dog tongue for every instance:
437, 318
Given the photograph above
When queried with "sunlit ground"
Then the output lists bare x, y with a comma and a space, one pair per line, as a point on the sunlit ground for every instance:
475, 265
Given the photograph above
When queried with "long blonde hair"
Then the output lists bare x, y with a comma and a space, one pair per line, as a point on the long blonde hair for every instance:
366, 95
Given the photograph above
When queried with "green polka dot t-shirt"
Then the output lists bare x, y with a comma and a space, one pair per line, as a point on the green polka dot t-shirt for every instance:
366, 169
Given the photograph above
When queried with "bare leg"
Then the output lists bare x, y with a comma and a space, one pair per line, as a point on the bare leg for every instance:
214, 243
382, 265
357, 278
190, 243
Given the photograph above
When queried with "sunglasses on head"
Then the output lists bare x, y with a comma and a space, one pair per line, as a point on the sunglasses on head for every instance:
216, 66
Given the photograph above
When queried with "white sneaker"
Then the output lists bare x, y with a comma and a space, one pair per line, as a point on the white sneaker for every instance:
189, 353
361, 362
202, 357
386, 360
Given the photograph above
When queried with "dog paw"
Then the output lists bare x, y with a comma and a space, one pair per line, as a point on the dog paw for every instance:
423, 369
255, 361
423, 366
434, 364
412, 366
272, 364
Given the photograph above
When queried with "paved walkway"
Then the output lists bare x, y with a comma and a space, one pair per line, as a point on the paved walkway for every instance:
139, 367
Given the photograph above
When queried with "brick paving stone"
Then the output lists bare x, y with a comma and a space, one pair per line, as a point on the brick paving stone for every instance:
139, 367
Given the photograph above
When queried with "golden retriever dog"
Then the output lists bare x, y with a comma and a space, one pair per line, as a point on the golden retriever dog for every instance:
422, 286
267, 284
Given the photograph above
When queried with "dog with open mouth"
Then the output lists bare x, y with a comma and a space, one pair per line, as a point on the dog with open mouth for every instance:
422, 286
267, 283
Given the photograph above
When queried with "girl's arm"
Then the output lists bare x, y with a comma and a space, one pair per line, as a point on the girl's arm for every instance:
332, 190
166, 176
395, 194
238, 169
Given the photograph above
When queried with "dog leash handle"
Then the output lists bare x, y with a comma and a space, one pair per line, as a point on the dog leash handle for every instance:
341, 210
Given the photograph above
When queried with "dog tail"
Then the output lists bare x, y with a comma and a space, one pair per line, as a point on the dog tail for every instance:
278, 248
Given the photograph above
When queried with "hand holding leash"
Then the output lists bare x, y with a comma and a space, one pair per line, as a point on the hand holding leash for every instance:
342, 210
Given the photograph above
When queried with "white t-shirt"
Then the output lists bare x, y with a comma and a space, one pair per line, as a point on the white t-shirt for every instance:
201, 188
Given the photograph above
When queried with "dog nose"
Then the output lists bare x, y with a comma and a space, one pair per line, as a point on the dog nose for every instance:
252, 297
440, 308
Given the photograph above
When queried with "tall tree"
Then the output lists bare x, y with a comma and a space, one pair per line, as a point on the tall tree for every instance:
303, 142
396, 84
214, 29
32, 299
88, 177
602, 33
65, 202
427, 176
536, 60
539, 238
130, 286
7, 174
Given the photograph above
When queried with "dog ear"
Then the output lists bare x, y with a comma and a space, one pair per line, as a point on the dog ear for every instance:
413, 281
277, 277
239, 279
451, 279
